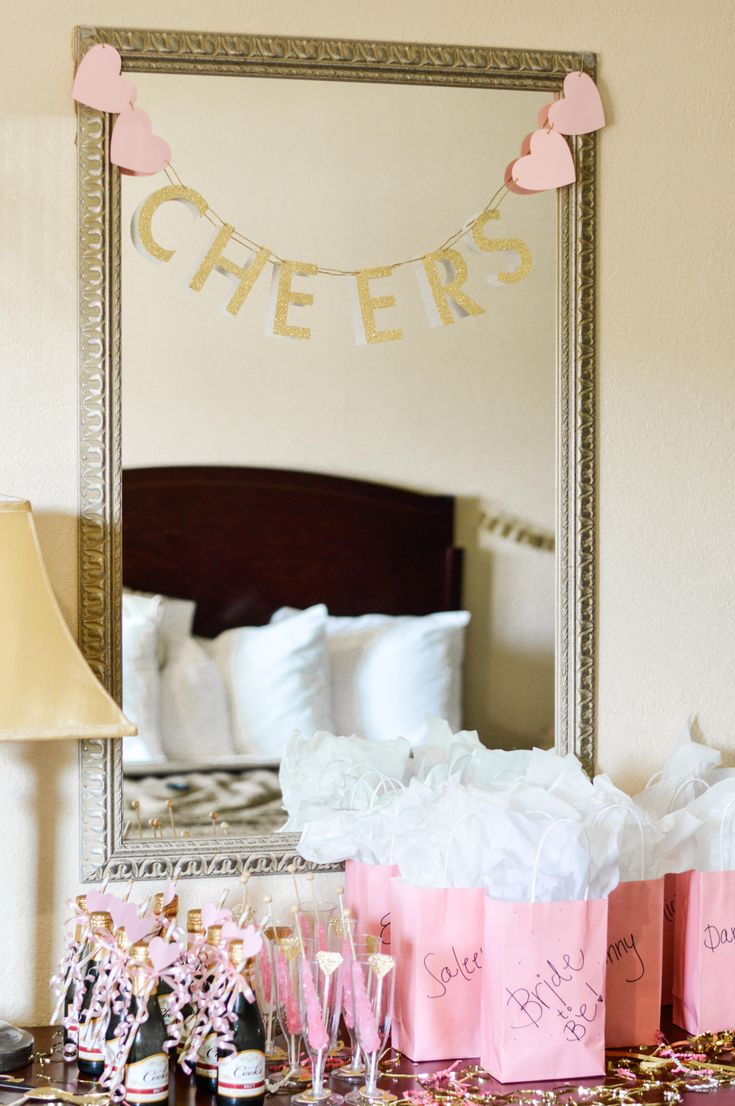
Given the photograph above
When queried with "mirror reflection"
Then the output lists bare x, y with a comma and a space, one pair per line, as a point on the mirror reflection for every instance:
320, 534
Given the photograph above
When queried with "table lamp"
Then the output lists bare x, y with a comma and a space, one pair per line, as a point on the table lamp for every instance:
47, 690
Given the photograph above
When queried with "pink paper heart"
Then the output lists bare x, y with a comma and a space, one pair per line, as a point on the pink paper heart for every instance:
508, 178
120, 910
137, 928
548, 165
134, 147
99, 900
214, 916
99, 83
169, 892
580, 109
163, 953
251, 939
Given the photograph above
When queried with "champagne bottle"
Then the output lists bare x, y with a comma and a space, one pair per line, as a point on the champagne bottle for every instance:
195, 932
167, 914
146, 1069
112, 1042
205, 1073
71, 1032
91, 1055
241, 1074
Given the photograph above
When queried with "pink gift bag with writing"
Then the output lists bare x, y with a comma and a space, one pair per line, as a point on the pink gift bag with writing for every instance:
667, 977
367, 895
543, 990
634, 959
704, 951
436, 938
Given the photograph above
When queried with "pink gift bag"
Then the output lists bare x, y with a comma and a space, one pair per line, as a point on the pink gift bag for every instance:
543, 1009
634, 952
704, 951
367, 895
437, 935
667, 979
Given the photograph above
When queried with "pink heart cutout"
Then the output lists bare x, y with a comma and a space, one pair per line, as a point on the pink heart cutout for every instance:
164, 953
99, 900
121, 910
580, 109
548, 165
251, 940
137, 928
214, 916
99, 83
134, 147
169, 892
508, 178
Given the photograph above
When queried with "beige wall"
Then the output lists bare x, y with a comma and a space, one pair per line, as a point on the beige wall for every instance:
666, 488
353, 175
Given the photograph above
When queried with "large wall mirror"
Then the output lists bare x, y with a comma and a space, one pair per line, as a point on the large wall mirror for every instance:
324, 532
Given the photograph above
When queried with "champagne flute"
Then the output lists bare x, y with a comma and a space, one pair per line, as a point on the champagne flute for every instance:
360, 945
320, 1001
286, 952
373, 980
265, 991
316, 921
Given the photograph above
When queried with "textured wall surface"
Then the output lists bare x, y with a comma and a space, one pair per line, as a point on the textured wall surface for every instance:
666, 384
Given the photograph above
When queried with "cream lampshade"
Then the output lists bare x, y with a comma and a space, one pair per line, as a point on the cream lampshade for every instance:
47, 690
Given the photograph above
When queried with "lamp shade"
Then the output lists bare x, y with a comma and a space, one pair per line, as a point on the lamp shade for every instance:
47, 689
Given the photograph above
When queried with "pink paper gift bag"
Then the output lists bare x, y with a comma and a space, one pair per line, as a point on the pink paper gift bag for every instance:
367, 895
543, 990
667, 979
437, 942
634, 949
704, 951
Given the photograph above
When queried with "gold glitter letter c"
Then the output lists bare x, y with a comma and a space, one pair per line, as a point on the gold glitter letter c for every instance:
141, 224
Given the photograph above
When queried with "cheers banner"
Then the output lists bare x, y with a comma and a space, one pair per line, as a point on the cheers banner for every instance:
441, 274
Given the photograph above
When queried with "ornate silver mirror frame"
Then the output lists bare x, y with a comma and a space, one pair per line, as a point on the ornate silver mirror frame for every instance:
100, 568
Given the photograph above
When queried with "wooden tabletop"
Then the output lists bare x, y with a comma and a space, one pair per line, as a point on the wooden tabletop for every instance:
53, 1071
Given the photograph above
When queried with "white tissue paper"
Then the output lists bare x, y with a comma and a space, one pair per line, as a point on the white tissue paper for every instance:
689, 770
325, 774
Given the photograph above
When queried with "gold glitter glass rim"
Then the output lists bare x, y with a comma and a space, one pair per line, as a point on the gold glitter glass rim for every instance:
104, 849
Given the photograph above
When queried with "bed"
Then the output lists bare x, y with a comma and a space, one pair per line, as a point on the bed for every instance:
242, 543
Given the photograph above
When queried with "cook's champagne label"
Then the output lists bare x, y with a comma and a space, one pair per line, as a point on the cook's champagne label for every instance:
91, 1044
163, 1002
207, 1057
242, 1075
147, 1080
72, 1030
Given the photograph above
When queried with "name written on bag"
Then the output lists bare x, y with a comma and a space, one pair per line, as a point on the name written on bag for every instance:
564, 992
716, 936
457, 968
626, 949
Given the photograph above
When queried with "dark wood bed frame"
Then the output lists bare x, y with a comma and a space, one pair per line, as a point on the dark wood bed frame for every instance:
242, 542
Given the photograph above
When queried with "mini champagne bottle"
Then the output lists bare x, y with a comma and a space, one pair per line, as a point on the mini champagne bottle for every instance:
205, 1074
71, 1032
168, 913
195, 931
91, 1055
146, 1070
112, 1042
241, 1074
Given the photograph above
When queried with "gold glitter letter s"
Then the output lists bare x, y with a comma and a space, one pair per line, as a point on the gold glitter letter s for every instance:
446, 301
367, 332
140, 226
282, 297
245, 276
511, 245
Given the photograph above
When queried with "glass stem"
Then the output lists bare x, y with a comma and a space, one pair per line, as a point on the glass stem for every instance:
317, 1074
356, 1061
293, 1053
269, 1032
371, 1082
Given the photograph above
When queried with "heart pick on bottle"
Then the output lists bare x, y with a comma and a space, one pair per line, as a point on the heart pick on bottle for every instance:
100, 84
580, 109
163, 953
549, 164
134, 147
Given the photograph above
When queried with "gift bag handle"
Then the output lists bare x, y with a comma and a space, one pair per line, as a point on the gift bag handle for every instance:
361, 779
462, 818
730, 803
634, 814
685, 783
542, 842
387, 781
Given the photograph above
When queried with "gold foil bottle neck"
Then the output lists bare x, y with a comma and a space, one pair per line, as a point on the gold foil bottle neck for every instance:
194, 922
170, 910
237, 954
122, 940
81, 901
100, 919
140, 953
214, 936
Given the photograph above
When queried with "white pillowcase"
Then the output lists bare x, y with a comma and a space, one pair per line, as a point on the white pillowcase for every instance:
388, 674
141, 619
175, 621
195, 716
277, 680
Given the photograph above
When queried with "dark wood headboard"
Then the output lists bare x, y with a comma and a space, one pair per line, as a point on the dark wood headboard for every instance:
244, 541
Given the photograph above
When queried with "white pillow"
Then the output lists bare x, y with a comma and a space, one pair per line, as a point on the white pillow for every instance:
176, 619
277, 680
195, 716
141, 618
388, 674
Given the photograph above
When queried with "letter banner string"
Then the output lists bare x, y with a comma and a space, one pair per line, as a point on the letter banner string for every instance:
658, 1076
546, 162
